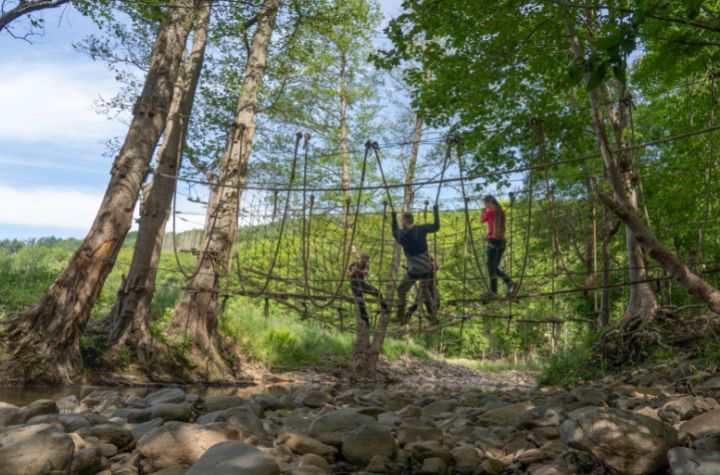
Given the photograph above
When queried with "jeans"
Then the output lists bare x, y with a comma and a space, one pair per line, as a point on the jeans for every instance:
426, 294
495, 251
359, 289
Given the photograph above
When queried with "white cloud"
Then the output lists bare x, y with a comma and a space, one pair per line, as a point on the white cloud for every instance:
53, 102
56, 207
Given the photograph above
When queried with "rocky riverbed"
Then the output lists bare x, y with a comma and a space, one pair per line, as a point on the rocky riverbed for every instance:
431, 418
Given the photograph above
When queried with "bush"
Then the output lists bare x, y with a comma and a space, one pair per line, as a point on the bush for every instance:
579, 363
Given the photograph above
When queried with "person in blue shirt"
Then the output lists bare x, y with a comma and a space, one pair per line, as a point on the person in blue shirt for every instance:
413, 239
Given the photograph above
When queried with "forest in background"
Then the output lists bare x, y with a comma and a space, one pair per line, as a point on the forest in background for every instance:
594, 124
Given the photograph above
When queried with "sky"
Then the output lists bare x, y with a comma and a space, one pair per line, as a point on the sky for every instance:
53, 161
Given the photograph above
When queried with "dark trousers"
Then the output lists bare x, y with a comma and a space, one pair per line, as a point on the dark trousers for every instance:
495, 251
426, 291
359, 289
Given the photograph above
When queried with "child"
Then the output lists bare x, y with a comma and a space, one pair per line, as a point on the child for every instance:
494, 216
357, 272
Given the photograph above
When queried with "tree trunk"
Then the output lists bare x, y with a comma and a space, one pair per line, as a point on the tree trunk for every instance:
42, 345
695, 285
365, 355
344, 146
196, 315
621, 173
610, 228
130, 317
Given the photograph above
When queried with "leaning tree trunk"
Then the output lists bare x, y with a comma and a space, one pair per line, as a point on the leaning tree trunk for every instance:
365, 355
625, 207
610, 228
43, 343
129, 319
196, 315
621, 171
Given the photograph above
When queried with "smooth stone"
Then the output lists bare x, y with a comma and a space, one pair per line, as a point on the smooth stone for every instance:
409, 434
303, 444
170, 411
180, 443
234, 458
433, 466
627, 442
466, 459
39, 408
109, 434
166, 396
246, 422
86, 462
430, 449
702, 425
439, 407
330, 427
363, 443
222, 403
505, 414
35, 450
684, 461
315, 398
542, 416
589, 396
712, 384
10, 415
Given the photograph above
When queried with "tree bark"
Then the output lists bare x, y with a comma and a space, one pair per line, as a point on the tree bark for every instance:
196, 316
27, 7
365, 354
344, 146
129, 318
42, 345
695, 285
610, 228
621, 173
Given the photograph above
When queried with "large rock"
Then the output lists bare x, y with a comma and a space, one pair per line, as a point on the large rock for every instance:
439, 407
329, 428
627, 442
221, 403
429, 449
467, 459
409, 434
39, 408
505, 414
702, 425
589, 396
87, 461
66, 422
543, 416
363, 443
684, 461
166, 396
10, 415
234, 458
170, 411
244, 419
109, 434
315, 398
179, 443
303, 444
35, 450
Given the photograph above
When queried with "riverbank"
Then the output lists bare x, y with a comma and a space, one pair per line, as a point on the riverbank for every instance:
423, 417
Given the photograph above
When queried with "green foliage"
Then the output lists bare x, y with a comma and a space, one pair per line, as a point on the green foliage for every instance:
576, 364
283, 340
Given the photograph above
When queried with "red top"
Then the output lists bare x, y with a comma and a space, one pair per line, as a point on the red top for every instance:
489, 217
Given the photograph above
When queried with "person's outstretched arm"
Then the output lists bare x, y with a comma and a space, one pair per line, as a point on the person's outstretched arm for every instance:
394, 226
434, 226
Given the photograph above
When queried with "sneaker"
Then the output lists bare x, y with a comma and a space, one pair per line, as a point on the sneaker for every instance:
512, 288
488, 296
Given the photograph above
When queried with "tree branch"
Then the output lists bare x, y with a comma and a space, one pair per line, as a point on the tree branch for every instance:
27, 7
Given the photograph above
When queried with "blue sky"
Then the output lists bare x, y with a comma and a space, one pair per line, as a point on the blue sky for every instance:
53, 168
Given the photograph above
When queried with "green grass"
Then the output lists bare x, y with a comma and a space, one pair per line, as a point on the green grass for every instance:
578, 363
284, 340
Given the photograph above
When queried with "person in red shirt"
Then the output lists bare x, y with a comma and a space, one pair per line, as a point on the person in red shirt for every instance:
494, 216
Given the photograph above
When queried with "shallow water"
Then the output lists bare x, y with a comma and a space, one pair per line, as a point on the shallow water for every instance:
21, 396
